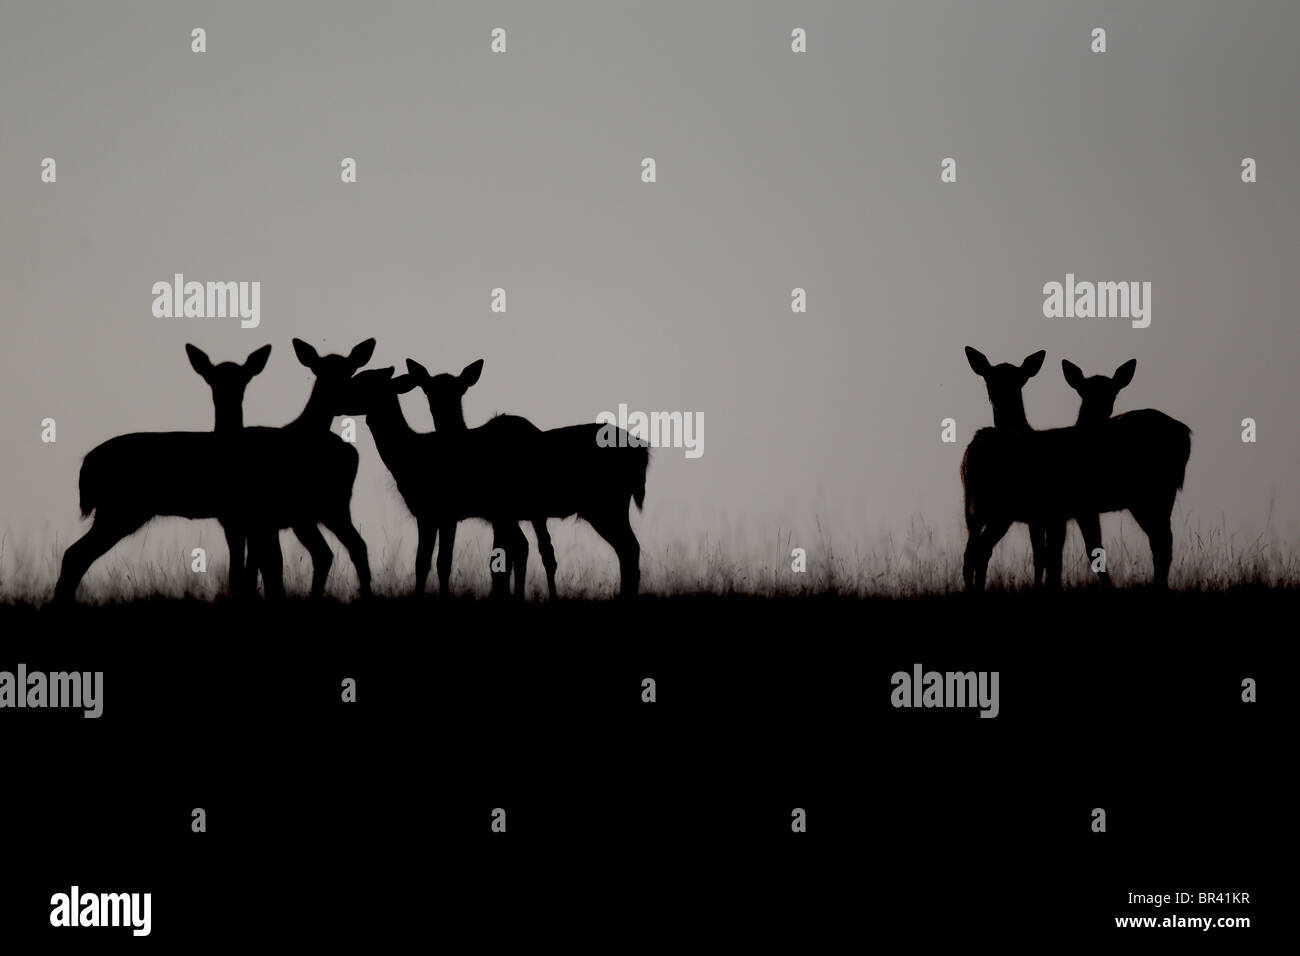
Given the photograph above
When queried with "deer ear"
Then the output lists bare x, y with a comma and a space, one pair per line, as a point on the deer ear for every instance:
1124, 374
257, 361
470, 374
403, 384
202, 364
978, 363
418, 371
306, 354
1031, 365
1073, 375
360, 355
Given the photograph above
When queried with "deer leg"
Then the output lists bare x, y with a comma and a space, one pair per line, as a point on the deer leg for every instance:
1038, 537
235, 545
341, 525
106, 531
1053, 546
616, 529
321, 555
969, 559
428, 534
1162, 554
1155, 522
264, 552
974, 525
547, 551
446, 542
1090, 525
993, 532
516, 545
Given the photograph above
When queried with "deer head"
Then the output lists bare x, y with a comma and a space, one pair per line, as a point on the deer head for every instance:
371, 390
1097, 392
332, 373
228, 381
444, 392
1004, 383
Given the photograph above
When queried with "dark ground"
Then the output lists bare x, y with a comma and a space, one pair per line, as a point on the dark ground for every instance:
372, 820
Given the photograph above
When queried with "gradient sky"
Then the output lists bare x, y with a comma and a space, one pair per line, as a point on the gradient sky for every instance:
775, 170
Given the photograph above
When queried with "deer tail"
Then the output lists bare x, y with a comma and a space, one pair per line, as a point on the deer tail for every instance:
88, 484
641, 462
1183, 454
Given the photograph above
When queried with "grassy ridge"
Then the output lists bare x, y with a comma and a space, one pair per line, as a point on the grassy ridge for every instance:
156, 563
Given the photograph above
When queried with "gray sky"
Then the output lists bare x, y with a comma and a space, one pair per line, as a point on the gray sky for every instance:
775, 170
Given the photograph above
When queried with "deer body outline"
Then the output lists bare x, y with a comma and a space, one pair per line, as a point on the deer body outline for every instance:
1135, 461
1097, 395
228, 381
260, 479
1004, 383
444, 393
573, 475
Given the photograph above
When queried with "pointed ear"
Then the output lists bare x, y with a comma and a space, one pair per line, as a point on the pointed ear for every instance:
418, 371
1073, 375
469, 375
254, 364
306, 354
978, 363
1032, 364
1124, 374
403, 384
202, 364
360, 355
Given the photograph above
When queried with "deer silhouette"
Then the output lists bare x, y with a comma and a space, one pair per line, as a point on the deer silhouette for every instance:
444, 479
444, 393
1134, 461
228, 381
332, 373
259, 479
1097, 395
1004, 383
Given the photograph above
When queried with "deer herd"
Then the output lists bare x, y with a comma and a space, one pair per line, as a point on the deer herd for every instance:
257, 481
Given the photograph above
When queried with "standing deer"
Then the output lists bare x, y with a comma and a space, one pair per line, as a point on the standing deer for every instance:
1134, 461
1004, 384
260, 479
1097, 403
228, 382
446, 479
332, 373
444, 393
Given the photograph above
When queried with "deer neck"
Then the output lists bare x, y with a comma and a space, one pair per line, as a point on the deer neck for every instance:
394, 437
1011, 415
1087, 418
230, 417
317, 415
450, 420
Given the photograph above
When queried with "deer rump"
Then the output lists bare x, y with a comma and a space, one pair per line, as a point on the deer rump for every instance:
501, 474
262, 475
1132, 460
